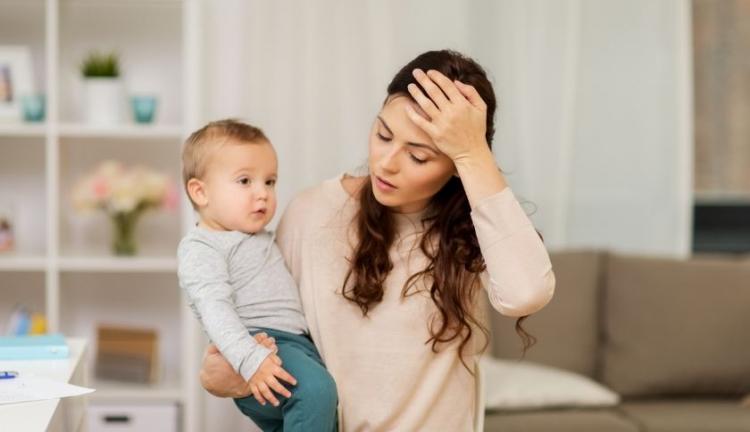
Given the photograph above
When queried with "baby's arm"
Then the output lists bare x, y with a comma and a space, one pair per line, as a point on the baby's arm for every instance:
204, 277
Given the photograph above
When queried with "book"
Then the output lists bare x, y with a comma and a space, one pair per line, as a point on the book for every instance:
127, 354
38, 347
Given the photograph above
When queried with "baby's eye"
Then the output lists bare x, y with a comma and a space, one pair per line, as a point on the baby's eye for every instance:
271, 182
244, 181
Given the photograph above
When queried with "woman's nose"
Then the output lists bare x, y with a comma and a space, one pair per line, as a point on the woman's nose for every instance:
388, 162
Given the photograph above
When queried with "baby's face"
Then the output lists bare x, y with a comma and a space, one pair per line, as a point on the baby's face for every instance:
240, 185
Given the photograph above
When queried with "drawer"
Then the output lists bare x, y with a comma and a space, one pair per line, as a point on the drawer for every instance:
132, 417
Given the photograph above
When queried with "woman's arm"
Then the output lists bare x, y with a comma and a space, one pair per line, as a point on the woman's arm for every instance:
519, 277
219, 378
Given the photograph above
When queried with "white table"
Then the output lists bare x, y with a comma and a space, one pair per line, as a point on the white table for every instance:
49, 415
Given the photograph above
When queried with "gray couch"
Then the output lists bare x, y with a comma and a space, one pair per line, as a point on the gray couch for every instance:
671, 337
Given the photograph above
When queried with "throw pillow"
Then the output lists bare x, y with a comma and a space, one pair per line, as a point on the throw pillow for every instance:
514, 385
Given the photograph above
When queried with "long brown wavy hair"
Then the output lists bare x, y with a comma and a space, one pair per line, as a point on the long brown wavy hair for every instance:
449, 242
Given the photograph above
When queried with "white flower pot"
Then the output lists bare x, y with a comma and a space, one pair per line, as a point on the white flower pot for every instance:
103, 101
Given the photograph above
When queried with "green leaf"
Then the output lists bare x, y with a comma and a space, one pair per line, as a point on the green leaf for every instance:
101, 65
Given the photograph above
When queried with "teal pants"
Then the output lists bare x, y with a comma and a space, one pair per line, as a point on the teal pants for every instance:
312, 406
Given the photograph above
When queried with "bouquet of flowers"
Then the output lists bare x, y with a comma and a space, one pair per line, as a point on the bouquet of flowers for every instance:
124, 193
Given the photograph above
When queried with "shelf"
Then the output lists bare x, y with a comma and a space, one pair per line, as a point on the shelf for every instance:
117, 3
119, 264
721, 198
119, 391
15, 262
75, 130
23, 130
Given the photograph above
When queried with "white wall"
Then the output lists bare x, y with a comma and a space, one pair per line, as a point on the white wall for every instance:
630, 176
594, 124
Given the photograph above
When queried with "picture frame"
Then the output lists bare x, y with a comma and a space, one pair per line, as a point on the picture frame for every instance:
16, 80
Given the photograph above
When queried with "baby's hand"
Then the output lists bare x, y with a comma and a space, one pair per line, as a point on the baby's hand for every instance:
268, 342
265, 379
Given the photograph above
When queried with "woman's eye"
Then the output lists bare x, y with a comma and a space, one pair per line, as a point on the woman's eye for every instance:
417, 160
383, 137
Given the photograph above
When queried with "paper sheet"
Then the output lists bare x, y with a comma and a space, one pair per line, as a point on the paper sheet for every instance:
28, 388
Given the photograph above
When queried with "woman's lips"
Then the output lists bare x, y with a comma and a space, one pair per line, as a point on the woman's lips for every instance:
384, 185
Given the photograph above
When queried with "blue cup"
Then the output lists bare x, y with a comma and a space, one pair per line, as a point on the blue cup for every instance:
33, 106
144, 108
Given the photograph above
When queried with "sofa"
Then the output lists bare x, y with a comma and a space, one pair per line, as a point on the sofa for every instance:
670, 337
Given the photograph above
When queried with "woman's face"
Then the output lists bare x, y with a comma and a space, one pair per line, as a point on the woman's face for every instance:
406, 169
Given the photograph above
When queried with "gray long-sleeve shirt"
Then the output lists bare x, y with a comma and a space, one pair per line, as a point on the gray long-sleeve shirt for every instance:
236, 282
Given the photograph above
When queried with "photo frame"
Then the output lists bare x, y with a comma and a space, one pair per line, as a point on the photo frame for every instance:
15, 80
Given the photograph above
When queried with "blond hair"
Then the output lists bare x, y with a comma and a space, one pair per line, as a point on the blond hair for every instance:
206, 141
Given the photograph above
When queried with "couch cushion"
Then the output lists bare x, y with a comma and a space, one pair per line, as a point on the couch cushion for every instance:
515, 385
573, 420
689, 416
566, 328
676, 327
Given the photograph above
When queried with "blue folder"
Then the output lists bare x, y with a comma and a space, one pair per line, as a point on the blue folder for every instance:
50, 346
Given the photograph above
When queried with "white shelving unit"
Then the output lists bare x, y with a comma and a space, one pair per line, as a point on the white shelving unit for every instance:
62, 265
23, 130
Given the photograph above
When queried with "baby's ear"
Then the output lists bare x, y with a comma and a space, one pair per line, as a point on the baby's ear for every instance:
197, 191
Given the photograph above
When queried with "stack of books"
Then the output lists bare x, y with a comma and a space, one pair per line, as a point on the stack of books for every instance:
38, 347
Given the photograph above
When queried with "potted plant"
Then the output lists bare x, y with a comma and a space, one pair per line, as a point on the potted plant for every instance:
103, 88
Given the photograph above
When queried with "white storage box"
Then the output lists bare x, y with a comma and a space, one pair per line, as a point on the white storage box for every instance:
144, 417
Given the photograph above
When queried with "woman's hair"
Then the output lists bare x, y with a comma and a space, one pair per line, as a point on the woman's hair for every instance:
449, 242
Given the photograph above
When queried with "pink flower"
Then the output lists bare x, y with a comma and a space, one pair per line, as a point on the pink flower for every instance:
172, 197
101, 188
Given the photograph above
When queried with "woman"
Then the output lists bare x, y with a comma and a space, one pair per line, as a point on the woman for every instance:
390, 266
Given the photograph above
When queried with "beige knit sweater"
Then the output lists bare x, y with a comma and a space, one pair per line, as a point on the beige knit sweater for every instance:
388, 378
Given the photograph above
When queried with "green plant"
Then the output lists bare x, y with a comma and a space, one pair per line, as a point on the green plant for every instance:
97, 65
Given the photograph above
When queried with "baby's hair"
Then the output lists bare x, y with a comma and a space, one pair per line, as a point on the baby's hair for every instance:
203, 143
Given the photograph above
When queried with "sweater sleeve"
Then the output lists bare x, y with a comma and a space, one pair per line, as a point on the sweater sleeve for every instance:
519, 279
204, 277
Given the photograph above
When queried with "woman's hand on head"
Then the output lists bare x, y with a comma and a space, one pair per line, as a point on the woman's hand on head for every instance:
456, 114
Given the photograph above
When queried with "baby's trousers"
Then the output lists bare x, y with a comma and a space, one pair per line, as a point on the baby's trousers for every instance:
312, 406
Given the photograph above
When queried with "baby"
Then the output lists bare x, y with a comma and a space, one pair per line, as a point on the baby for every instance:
238, 285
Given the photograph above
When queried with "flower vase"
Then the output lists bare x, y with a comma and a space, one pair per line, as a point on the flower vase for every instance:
123, 241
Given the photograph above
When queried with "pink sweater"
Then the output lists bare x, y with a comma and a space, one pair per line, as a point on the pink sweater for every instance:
388, 378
